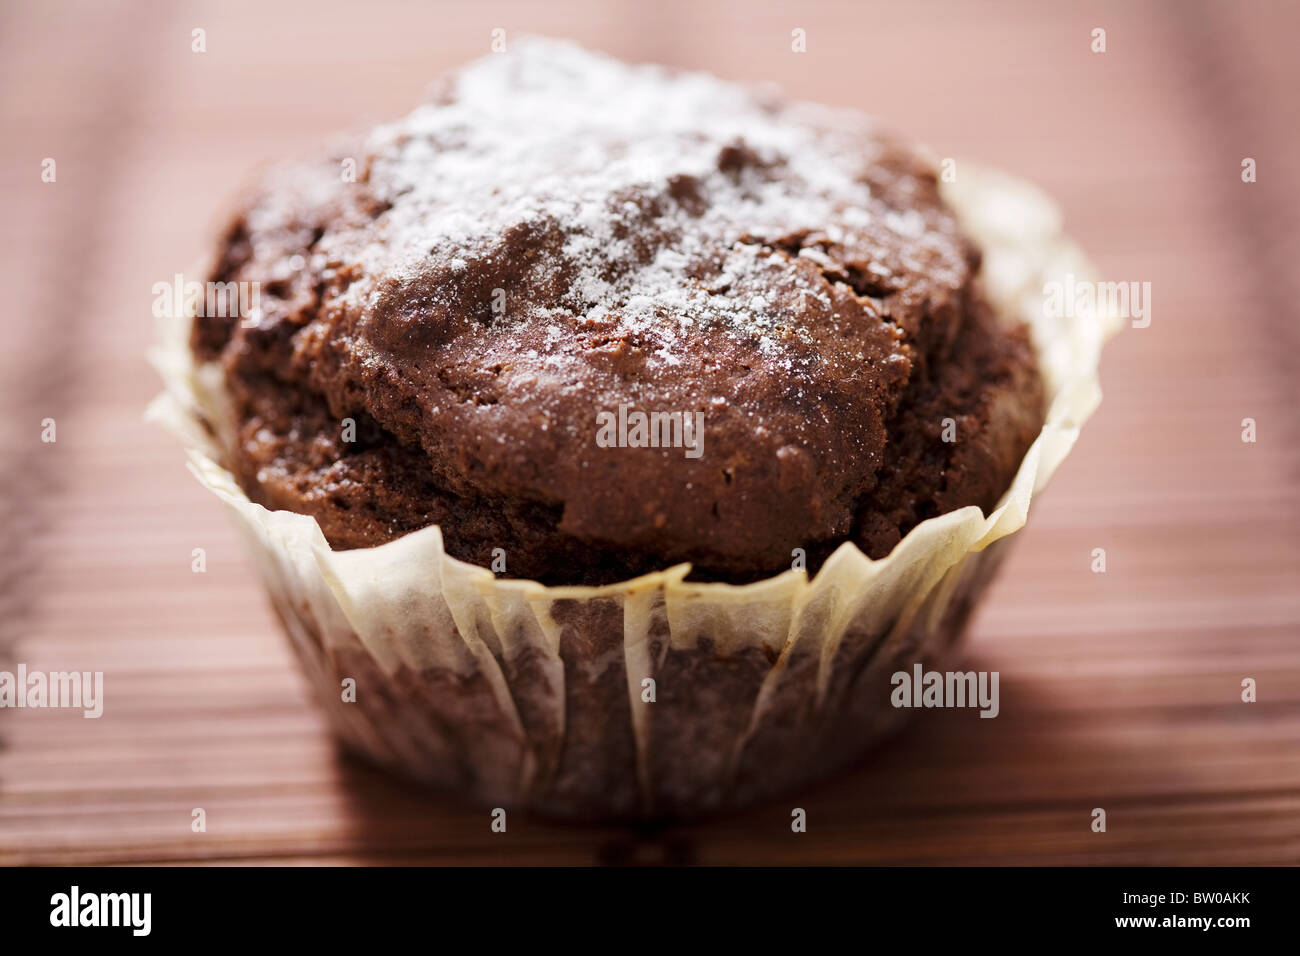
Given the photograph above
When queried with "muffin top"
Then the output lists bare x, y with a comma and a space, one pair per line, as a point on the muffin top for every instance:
608, 318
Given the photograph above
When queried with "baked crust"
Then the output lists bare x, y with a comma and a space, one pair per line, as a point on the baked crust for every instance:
662, 242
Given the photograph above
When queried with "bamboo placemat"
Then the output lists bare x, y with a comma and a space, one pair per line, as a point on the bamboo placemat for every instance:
1119, 690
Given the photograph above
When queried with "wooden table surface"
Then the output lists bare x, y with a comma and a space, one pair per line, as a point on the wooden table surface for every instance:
1119, 690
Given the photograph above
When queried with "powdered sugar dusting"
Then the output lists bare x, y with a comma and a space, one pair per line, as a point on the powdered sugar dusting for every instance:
659, 193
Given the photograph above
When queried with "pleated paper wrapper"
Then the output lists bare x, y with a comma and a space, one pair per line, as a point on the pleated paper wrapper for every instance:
517, 695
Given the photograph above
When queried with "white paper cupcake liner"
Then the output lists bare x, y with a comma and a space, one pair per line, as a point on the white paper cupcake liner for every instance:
525, 696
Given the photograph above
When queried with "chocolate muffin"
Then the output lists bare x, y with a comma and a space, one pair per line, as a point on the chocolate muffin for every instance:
607, 436
556, 242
